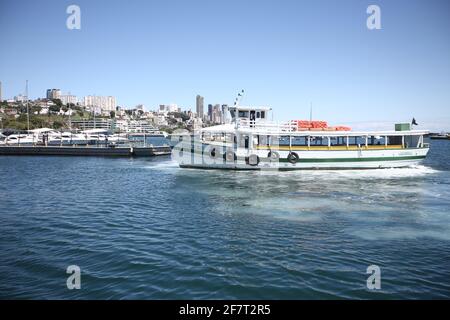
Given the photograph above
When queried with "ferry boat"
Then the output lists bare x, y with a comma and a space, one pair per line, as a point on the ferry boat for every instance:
251, 142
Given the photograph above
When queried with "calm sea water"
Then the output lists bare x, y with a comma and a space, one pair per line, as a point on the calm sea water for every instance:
144, 228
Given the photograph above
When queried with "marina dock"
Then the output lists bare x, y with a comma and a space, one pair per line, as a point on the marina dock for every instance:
104, 151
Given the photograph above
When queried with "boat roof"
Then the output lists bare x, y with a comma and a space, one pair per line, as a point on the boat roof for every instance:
41, 130
249, 108
230, 128
339, 133
95, 131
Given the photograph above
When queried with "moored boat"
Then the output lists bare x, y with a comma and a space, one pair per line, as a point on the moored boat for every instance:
441, 136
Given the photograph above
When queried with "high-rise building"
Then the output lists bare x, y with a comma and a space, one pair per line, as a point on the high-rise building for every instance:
199, 106
53, 94
67, 98
224, 113
168, 108
216, 114
100, 104
210, 112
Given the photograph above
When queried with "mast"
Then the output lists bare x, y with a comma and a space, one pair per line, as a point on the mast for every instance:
28, 109
70, 113
310, 112
239, 98
94, 107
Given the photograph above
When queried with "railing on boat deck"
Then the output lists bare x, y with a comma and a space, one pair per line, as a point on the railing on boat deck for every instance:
266, 125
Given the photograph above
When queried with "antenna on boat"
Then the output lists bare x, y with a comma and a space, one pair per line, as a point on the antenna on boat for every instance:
310, 112
239, 98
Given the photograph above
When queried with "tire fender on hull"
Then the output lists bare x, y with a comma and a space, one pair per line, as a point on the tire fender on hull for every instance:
293, 157
252, 160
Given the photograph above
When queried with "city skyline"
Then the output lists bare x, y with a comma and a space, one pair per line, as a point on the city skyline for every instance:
285, 55
98, 100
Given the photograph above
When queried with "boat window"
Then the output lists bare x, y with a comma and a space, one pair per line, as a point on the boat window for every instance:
299, 141
283, 141
319, 141
263, 114
243, 141
229, 138
395, 140
337, 141
273, 140
376, 141
411, 141
258, 115
263, 140
243, 114
354, 141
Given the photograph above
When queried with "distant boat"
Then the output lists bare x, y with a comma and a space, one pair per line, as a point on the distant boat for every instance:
441, 136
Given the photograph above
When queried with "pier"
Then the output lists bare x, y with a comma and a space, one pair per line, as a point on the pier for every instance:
103, 151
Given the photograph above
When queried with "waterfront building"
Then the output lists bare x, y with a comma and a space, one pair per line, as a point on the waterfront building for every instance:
1, 97
106, 124
134, 126
139, 126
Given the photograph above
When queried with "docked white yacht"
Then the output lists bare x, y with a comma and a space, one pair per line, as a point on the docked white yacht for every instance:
251, 142
20, 140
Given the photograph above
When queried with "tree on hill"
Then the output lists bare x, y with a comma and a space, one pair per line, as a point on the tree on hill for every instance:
54, 109
181, 115
58, 102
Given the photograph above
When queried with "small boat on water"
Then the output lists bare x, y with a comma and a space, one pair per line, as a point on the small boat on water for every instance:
441, 136
252, 142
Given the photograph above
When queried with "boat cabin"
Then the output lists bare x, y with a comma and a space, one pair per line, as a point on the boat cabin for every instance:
249, 114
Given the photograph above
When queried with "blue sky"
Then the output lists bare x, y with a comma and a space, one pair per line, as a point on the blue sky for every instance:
285, 54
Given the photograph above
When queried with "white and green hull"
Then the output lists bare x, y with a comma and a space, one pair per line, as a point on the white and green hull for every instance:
307, 159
